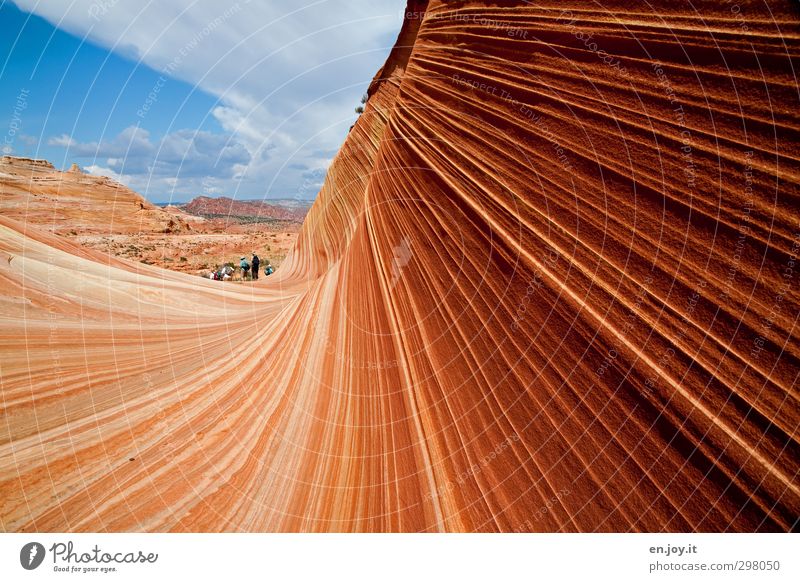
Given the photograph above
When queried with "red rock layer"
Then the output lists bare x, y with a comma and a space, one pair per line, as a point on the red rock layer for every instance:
550, 284
227, 207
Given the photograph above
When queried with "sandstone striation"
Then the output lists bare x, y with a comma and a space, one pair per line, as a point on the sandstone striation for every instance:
550, 284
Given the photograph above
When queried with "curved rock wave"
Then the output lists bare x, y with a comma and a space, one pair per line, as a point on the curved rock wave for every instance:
550, 284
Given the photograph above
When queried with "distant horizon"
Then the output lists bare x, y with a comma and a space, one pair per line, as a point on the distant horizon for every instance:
298, 200
163, 203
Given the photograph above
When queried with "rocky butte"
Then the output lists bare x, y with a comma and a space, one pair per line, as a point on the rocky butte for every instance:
33, 191
549, 284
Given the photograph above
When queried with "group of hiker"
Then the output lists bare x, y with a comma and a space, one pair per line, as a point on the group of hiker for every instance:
250, 269
224, 273
255, 265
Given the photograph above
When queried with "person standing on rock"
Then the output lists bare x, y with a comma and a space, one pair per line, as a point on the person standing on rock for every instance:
256, 263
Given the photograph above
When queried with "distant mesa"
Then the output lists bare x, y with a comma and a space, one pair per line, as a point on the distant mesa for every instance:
22, 163
91, 204
248, 210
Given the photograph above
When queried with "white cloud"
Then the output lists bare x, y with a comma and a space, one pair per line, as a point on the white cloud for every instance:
102, 171
132, 142
181, 163
288, 75
62, 140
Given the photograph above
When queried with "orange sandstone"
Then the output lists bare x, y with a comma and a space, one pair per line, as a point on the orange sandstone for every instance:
550, 284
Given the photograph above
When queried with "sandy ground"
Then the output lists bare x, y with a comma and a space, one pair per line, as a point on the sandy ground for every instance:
193, 253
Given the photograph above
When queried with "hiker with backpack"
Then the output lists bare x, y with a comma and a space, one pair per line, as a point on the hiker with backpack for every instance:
268, 270
245, 266
256, 262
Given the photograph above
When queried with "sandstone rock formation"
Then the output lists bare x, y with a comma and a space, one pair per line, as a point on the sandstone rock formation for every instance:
228, 208
34, 192
550, 284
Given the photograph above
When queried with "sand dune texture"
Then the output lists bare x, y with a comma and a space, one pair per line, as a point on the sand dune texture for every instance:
550, 284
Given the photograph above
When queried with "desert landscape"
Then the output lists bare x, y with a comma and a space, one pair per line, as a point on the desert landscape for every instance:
103, 214
550, 284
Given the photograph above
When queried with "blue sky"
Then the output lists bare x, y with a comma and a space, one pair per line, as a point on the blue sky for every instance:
249, 99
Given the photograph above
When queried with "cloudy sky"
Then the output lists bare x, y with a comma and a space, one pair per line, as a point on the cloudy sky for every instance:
249, 99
